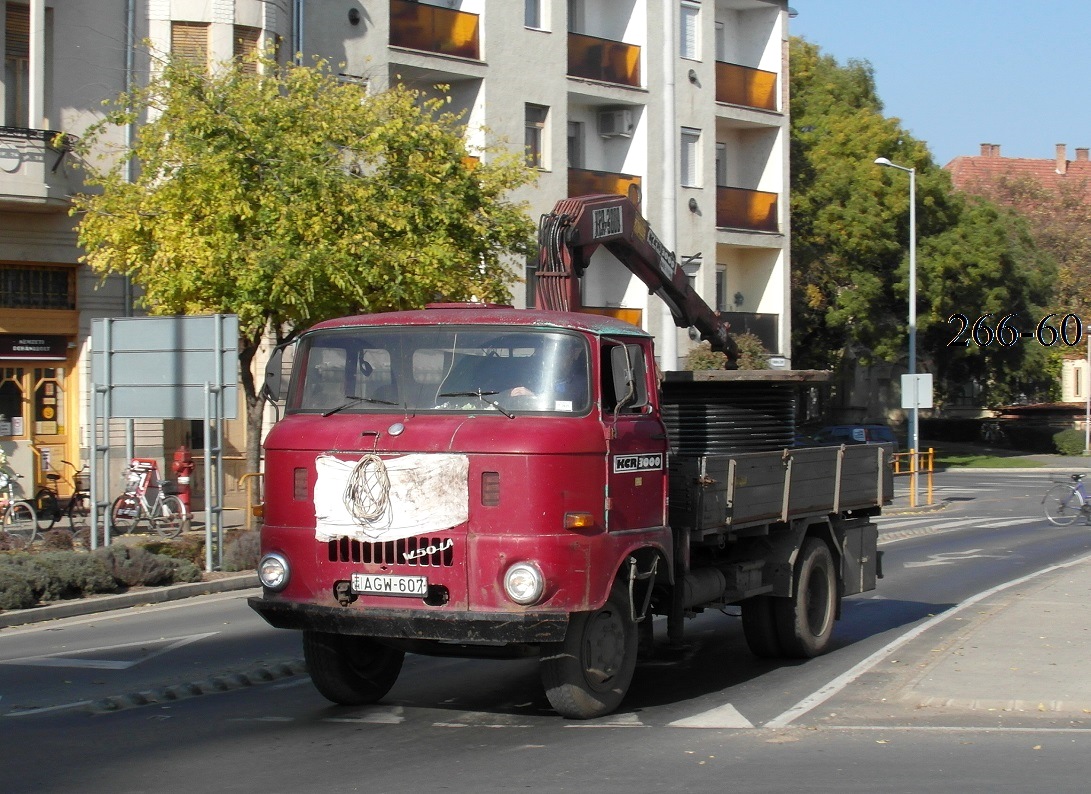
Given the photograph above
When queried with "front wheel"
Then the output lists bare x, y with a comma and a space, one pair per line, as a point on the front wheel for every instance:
805, 621
124, 514
79, 512
172, 518
588, 674
46, 508
349, 670
20, 521
1063, 504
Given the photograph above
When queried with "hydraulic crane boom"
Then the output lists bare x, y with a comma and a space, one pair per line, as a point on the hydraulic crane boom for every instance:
568, 236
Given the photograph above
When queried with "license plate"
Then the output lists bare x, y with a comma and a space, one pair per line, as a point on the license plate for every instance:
387, 584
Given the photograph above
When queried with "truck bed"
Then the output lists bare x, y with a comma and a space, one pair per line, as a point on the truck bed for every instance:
725, 493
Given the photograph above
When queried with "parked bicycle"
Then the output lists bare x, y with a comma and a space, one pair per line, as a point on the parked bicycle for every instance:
78, 508
17, 516
147, 498
1064, 503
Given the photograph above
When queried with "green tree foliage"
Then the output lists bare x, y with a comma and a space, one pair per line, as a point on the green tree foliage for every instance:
288, 197
850, 236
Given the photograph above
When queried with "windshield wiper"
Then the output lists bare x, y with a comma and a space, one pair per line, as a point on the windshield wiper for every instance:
355, 400
481, 395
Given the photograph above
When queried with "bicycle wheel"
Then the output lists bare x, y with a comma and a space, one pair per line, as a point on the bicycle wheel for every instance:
21, 522
125, 514
79, 512
47, 509
171, 517
1063, 504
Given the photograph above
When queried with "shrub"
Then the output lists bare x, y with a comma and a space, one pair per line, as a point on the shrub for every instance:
58, 540
241, 552
133, 566
752, 355
1069, 442
190, 549
15, 592
53, 576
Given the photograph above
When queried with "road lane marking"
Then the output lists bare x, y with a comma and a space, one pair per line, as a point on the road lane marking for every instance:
69, 659
725, 716
834, 687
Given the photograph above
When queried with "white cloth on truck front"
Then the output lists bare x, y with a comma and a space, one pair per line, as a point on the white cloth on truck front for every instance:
427, 493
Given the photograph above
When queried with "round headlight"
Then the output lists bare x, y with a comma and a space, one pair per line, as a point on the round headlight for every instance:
273, 571
524, 583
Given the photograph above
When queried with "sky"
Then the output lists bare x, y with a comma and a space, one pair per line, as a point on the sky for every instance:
959, 73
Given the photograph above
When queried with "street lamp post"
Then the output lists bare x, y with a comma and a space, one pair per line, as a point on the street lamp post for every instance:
914, 427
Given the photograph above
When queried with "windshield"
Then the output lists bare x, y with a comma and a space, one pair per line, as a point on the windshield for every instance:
446, 369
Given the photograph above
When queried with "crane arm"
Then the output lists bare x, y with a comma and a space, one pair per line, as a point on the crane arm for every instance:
568, 236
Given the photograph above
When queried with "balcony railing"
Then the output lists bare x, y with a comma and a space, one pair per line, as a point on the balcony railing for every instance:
419, 26
754, 210
741, 85
582, 182
32, 170
602, 59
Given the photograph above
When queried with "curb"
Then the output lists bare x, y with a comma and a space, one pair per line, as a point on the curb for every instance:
156, 595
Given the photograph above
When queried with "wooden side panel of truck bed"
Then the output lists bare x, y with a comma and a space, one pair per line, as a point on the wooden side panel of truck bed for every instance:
724, 492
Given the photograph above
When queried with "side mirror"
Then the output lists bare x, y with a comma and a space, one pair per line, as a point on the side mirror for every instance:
273, 385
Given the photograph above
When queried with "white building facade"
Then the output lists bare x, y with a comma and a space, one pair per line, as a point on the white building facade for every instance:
680, 104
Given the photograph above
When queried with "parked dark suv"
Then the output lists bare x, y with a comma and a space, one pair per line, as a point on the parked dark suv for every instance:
855, 434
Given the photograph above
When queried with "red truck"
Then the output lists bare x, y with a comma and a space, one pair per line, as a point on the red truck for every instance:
478, 480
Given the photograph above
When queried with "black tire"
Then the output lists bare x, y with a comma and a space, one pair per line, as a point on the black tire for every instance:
79, 513
121, 518
588, 674
759, 625
349, 670
1063, 504
172, 518
21, 522
805, 621
46, 508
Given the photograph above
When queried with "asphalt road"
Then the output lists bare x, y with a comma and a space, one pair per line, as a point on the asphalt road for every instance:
202, 694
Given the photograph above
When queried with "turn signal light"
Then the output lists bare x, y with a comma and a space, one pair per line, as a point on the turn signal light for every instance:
578, 520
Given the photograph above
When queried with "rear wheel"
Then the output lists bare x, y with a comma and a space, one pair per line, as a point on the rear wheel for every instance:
588, 674
1063, 504
805, 621
172, 518
759, 625
351, 671
79, 512
21, 522
46, 508
124, 514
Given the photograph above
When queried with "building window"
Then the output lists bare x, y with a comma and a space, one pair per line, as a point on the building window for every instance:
575, 144
532, 14
575, 16
536, 116
689, 169
12, 402
721, 288
721, 42
32, 287
246, 48
16, 65
690, 31
189, 40
721, 165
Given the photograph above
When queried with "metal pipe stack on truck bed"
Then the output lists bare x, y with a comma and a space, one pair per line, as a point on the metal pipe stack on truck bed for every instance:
487, 481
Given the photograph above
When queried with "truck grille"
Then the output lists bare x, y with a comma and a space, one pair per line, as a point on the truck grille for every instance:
416, 551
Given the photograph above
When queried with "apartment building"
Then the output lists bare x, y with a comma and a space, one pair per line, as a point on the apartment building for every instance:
680, 104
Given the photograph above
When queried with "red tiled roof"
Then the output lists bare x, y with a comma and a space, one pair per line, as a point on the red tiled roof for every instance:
969, 172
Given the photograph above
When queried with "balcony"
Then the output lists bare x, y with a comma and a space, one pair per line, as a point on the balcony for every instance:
582, 182
33, 177
418, 26
741, 85
602, 59
752, 210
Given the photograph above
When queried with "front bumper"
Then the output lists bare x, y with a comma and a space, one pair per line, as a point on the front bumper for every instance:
416, 624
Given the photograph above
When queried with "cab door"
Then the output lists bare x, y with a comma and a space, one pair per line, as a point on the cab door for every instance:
637, 463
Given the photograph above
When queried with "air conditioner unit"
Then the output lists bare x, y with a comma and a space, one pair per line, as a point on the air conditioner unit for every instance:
616, 122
